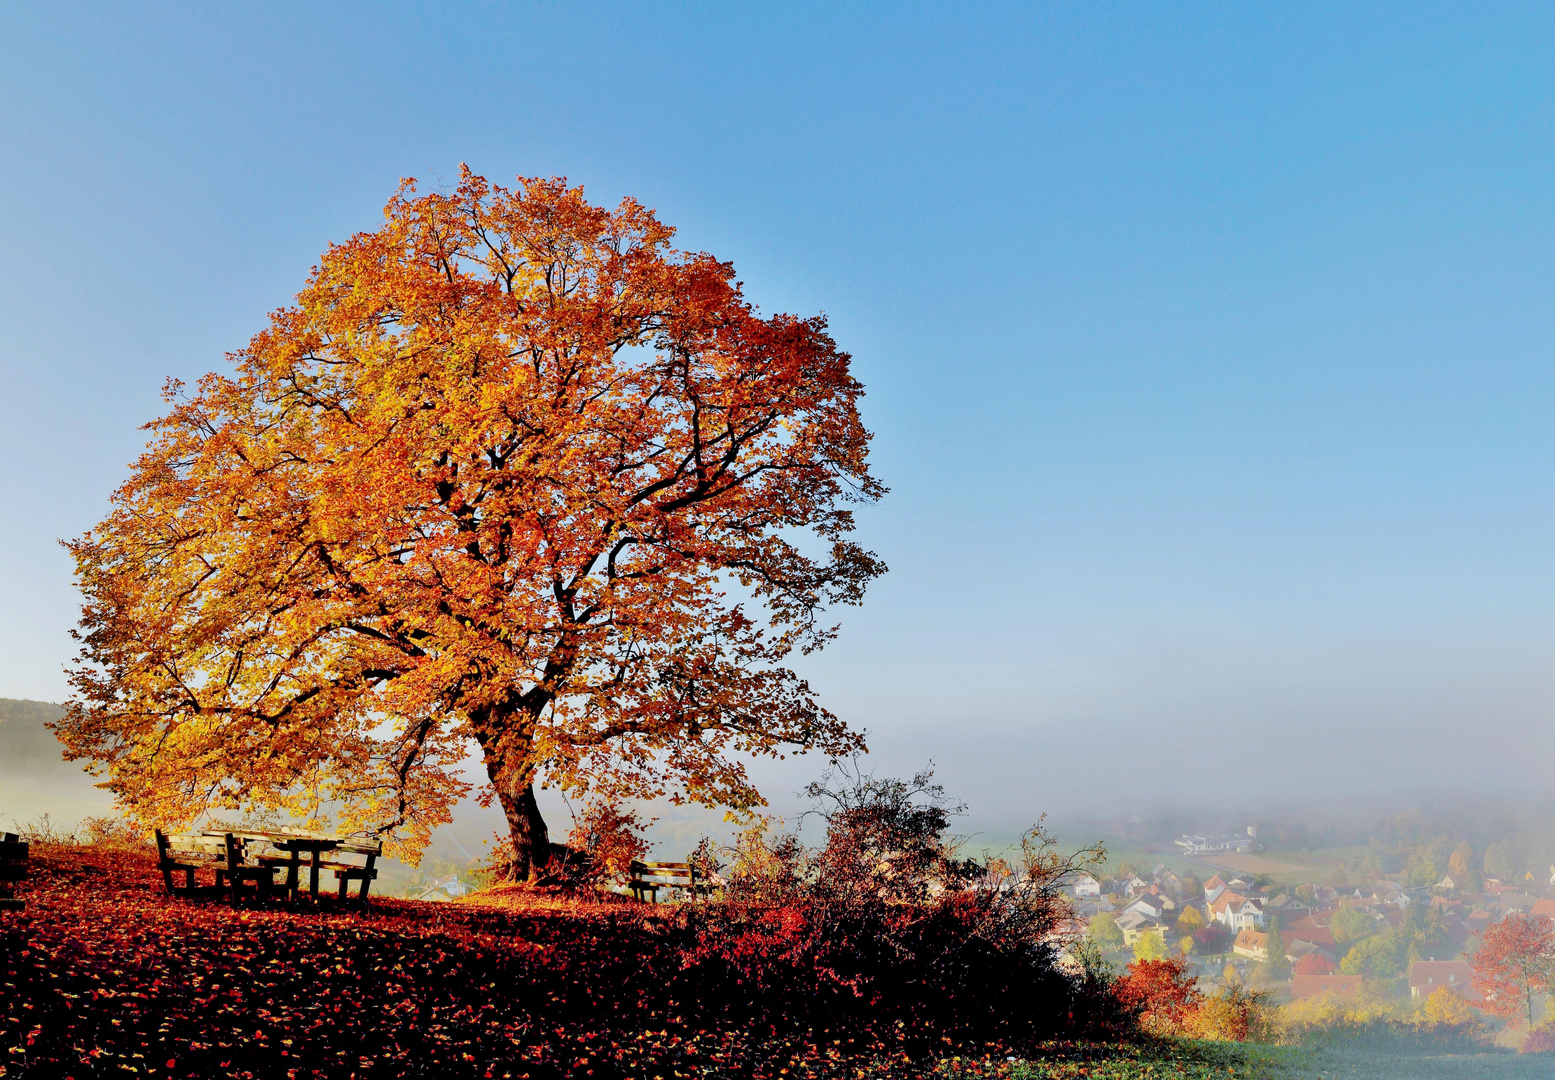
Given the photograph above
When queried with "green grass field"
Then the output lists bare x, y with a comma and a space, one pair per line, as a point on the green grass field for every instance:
1212, 1061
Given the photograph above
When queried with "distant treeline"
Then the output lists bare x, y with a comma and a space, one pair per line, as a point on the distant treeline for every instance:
26, 745
1485, 837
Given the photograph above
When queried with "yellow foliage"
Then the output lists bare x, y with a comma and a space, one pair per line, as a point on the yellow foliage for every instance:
1373, 1010
1232, 1014
1150, 946
1446, 1007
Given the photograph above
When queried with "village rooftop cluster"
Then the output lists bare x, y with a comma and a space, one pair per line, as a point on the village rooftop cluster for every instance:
1227, 925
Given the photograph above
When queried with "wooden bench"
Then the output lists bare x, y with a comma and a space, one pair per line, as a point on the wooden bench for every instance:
650, 877
222, 855
13, 867
345, 873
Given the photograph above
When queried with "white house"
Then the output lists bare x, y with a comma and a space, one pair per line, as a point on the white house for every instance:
1237, 912
451, 889
1203, 845
1147, 905
1086, 885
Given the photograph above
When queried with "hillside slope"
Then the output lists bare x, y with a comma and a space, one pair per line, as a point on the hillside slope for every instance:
24, 741
35, 778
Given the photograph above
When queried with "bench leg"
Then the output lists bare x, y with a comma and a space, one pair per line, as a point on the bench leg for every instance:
189, 880
344, 882
361, 897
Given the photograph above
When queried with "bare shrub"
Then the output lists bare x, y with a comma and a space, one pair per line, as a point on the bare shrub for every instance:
889, 914
113, 832
43, 829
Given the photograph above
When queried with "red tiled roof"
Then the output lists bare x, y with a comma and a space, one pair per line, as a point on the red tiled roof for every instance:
1428, 975
1321, 917
1322, 936
1315, 963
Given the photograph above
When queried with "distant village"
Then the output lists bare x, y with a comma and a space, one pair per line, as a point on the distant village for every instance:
1299, 940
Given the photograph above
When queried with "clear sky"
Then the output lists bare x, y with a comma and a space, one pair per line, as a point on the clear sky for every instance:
1208, 347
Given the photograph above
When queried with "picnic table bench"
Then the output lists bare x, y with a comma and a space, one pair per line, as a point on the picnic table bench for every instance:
294, 845
366, 873
221, 854
242, 857
13, 867
650, 877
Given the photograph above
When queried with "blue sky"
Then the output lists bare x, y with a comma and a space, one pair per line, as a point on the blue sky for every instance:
1208, 348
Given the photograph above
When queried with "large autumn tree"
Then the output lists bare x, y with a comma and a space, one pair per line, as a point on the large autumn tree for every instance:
512, 469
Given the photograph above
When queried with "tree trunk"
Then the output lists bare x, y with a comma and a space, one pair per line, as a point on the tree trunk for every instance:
512, 774
531, 840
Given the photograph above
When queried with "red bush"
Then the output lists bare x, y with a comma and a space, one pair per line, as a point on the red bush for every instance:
886, 920
1160, 993
1541, 1040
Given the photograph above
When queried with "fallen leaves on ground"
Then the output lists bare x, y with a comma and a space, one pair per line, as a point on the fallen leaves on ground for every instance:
104, 973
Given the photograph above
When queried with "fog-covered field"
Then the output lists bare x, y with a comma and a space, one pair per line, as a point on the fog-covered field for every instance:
1357, 1064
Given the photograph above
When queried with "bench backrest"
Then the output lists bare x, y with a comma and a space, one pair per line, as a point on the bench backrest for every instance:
372, 850
675, 871
189, 846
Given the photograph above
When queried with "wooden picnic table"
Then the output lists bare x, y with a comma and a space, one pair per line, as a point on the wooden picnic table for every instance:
295, 844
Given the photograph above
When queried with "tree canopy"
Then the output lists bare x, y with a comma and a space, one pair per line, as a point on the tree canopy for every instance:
1351, 923
1514, 962
1103, 932
1275, 960
512, 469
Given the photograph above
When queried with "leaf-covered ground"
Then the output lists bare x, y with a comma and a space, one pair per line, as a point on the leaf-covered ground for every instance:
104, 970
104, 975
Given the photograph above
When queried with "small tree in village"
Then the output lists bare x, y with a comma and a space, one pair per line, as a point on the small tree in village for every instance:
1150, 945
1276, 964
1189, 921
512, 470
1103, 932
1515, 961
1459, 861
